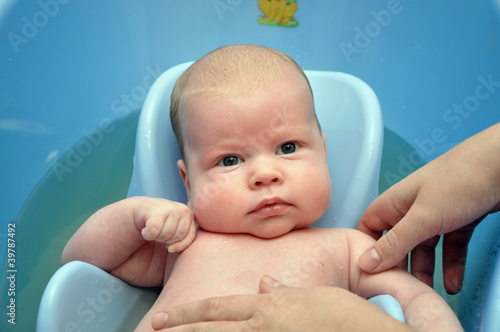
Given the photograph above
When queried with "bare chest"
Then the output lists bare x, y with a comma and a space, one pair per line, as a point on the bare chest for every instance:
218, 264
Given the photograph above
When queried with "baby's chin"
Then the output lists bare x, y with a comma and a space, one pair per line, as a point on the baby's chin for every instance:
266, 230
274, 231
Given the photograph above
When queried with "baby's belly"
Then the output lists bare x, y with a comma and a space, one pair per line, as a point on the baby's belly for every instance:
218, 265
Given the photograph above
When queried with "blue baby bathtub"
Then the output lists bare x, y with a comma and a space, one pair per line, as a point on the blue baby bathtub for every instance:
74, 75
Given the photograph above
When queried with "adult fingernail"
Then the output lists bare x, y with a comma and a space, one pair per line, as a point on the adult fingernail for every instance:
159, 321
369, 260
270, 281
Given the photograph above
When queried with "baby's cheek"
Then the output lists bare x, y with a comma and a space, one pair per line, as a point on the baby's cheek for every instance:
202, 194
219, 213
321, 193
206, 207
206, 220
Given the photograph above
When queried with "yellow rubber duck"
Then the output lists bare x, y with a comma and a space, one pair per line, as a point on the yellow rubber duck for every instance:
278, 12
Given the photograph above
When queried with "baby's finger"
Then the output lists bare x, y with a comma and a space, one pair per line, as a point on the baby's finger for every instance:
169, 229
152, 228
184, 220
186, 241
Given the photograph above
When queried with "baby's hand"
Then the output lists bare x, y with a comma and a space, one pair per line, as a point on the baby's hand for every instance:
167, 222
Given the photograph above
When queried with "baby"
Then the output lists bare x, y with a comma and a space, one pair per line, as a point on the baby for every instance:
255, 171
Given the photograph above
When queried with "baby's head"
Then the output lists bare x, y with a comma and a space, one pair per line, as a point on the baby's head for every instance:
254, 158
234, 70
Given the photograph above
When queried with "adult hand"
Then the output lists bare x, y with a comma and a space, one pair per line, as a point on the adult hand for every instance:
280, 308
449, 196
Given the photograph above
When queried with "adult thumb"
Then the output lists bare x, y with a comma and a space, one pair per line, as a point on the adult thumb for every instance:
268, 284
389, 250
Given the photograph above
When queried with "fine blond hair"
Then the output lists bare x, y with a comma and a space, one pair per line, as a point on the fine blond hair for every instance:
235, 70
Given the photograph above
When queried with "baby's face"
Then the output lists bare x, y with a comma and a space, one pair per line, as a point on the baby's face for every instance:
255, 164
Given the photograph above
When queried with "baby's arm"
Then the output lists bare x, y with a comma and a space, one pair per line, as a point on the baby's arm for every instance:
424, 309
129, 238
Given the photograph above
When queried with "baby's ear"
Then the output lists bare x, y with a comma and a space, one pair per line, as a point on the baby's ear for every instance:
181, 165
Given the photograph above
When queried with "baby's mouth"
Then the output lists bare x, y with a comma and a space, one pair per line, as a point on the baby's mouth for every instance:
271, 207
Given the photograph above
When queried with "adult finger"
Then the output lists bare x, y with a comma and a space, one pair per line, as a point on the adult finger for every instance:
392, 248
217, 326
382, 214
423, 259
229, 308
455, 246
268, 284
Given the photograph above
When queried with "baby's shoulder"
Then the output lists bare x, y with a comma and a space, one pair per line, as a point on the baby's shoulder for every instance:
332, 233
312, 238
352, 239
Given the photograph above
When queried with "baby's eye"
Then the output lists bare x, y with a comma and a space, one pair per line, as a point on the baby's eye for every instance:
288, 148
229, 161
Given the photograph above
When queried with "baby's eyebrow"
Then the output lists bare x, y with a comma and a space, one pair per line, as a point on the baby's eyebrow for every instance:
287, 131
215, 150
280, 135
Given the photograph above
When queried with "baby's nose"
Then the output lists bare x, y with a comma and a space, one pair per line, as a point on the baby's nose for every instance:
265, 174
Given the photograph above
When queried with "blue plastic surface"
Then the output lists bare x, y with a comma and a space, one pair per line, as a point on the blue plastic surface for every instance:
69, 68
82, 297
390, 305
